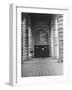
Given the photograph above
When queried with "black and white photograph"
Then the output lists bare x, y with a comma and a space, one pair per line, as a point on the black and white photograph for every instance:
41, 44
38, 45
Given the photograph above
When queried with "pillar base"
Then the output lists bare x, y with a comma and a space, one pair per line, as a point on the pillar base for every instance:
60, 61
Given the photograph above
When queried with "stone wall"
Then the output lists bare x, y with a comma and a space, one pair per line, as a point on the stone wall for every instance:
54, 37
54, 28
24, 37
60, 34
57, 37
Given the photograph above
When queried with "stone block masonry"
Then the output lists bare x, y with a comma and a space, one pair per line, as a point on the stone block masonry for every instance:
60, 36
53, 25
24, 38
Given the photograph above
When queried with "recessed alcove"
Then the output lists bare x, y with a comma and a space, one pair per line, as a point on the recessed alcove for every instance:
41, 34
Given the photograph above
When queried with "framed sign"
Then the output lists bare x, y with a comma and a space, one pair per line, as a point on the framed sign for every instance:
41, 37
40, 56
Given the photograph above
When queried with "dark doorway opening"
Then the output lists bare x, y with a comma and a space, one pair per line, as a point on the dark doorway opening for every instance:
41, 51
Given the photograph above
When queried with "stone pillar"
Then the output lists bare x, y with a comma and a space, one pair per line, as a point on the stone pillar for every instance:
24, 37
30, 39
60, 33
51, 38
54, 37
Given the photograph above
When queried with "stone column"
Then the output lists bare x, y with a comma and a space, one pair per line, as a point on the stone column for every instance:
24, 37
51, 39
30, 39
54, 37
60, 33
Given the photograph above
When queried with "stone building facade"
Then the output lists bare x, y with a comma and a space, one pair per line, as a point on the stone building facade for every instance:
42, 31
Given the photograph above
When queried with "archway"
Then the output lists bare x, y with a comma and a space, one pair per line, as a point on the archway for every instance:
41, 46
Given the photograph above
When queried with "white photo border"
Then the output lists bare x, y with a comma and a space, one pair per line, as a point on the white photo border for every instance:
15, 62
